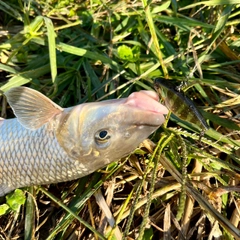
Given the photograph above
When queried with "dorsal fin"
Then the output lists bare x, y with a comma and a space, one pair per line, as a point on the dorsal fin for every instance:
31, 108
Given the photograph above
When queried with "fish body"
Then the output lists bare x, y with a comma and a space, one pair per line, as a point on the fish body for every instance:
179, 104
48, 144
33, 157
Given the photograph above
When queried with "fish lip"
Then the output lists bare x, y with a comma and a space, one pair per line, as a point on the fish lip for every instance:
147, 101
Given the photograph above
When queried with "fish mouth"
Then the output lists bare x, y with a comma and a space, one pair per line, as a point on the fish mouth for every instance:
150, 111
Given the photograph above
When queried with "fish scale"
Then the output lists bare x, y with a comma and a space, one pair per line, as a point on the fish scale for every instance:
33, 158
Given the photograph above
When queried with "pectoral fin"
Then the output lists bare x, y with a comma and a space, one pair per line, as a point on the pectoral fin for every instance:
31, 108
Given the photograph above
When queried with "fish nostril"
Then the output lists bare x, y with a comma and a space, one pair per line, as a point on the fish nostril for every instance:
127, 135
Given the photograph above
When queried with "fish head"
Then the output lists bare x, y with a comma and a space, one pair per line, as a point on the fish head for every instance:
101, 132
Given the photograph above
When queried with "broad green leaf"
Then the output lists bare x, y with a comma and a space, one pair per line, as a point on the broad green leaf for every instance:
16, 199
3, 209
125, 53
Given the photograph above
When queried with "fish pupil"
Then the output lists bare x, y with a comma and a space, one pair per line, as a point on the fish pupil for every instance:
103, 134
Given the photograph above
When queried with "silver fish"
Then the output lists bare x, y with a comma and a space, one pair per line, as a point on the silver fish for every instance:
48, 144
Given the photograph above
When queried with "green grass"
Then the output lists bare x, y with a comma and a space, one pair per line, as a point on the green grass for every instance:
79, 51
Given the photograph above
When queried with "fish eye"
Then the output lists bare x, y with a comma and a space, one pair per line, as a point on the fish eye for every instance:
102, 137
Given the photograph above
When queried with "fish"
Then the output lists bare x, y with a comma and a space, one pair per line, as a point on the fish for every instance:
179, 104
48, 144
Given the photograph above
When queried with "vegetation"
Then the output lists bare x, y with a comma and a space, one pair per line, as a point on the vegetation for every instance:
78, 51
